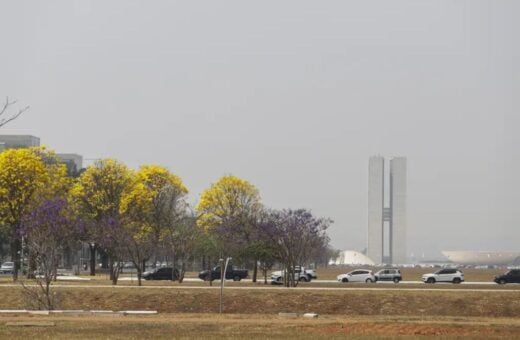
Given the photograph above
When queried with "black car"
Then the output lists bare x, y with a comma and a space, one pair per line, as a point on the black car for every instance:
232, 272
164, 273
512, 276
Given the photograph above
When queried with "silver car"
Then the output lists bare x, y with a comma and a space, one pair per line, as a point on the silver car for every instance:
389, 274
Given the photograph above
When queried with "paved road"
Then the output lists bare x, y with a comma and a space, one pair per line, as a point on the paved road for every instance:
324, 281
346, 288
346, 285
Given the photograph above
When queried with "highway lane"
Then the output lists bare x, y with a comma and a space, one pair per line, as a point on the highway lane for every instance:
270, 287
336, 281
316, 281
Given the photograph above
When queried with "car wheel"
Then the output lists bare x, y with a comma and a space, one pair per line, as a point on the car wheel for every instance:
396, 280
237, 278
344, 280
369, 280
502, 282
430, 280
279, 279
456, 280
303, 279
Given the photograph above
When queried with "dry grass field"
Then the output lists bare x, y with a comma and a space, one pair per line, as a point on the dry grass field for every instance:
234, 326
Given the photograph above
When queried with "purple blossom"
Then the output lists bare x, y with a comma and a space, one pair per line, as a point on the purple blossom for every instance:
50, 218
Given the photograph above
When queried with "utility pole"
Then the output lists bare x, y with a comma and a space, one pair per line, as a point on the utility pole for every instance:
223, 270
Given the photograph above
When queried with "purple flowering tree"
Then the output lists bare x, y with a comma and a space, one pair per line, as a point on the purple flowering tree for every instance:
113, 241
47, 230
294, 236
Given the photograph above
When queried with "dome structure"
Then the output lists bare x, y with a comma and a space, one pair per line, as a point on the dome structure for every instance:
351, 257
471, 257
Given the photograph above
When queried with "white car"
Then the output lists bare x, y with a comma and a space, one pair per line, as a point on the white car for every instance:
300, 274
312, 273
7, 267
444, 275
358, 275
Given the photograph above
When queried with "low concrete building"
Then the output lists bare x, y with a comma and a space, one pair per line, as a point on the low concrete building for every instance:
74, 163
18, 141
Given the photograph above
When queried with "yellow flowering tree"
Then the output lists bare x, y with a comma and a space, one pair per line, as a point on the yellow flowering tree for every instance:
143, 211
97, 196
27, 177
230, 209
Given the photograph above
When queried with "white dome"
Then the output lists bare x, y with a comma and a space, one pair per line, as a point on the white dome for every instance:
352, 257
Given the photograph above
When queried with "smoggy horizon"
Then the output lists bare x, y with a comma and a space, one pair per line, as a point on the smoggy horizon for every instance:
293, 96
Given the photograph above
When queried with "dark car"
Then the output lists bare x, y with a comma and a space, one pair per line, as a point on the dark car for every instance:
232, 272
389, 274
512, 276
164, 273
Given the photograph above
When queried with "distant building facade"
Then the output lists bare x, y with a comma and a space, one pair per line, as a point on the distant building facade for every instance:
18, 141
74, 162
393, 214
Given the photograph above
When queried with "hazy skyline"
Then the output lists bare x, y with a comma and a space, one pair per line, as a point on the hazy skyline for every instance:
293, 96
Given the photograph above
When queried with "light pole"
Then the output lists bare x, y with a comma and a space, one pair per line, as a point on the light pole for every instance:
223, 270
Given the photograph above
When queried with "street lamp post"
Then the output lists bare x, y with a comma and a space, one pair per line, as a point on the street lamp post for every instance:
223, 270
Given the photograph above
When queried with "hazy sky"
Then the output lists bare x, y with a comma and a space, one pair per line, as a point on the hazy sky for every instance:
293, 96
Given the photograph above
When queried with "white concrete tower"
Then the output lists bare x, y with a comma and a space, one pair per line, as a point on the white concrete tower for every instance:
376, 184
398, 210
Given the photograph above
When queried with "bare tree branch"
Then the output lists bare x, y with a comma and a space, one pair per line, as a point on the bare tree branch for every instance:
5, 110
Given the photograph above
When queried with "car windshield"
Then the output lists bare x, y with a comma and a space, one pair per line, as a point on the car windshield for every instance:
7, 264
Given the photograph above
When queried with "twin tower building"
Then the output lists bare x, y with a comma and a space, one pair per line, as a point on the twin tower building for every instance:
387, 211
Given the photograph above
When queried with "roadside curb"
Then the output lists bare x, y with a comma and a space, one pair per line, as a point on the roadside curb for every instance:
78, 312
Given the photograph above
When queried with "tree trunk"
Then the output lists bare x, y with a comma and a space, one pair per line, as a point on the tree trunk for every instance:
255, 270
16, 246
139, 275
182, 271
104, 259
114, 271
32, 266
55, 269
210, 274
92, 248
111, 270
